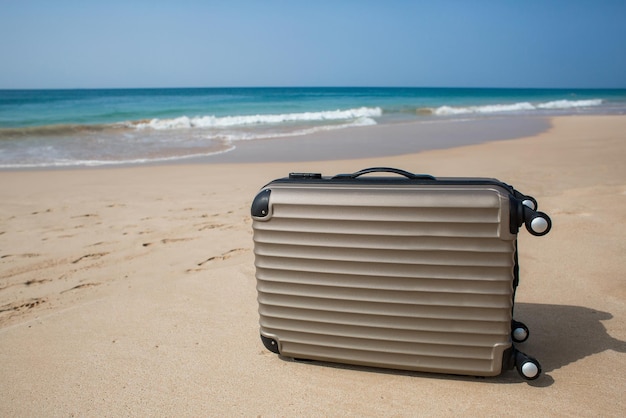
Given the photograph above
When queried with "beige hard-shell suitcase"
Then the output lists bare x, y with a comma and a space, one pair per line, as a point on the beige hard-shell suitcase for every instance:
401, 271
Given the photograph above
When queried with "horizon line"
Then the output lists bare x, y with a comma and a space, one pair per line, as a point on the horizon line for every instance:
308, 87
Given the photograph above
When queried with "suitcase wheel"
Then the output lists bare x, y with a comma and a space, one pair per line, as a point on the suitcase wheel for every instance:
530, 202
527, 367
539, 224
519, 332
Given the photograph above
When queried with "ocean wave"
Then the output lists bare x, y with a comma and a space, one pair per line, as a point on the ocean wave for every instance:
570, 104
514, 107
355, 117
185, 122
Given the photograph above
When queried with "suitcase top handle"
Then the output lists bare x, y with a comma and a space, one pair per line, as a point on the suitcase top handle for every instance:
404, 173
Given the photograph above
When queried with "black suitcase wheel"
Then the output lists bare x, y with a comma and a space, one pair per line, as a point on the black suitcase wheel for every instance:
527, 367
519, 332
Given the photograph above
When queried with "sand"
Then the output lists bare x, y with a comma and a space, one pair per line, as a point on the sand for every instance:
131, 291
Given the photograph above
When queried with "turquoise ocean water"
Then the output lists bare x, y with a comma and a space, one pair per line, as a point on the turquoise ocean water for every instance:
66, 128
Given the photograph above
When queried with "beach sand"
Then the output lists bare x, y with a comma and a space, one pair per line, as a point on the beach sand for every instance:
131, 291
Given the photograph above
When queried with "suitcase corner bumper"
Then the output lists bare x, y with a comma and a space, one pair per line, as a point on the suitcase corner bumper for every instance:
271, 344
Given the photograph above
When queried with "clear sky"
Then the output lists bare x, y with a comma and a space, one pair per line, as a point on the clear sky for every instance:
204, 43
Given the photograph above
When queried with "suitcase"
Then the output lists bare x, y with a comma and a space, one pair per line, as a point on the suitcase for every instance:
403, 271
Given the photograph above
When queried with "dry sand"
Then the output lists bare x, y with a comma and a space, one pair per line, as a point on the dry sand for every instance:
131, 291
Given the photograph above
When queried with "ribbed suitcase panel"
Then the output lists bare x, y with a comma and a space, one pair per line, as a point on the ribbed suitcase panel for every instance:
305, 265
406, 257
398, 312
365, 325
439, 298
365, 239
478, 285
388, 277
385, 228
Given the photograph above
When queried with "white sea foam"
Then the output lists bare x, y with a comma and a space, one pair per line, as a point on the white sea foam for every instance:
569, 104
251, 135
185, 122
516, 107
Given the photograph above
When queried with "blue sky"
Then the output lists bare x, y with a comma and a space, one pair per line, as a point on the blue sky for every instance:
186, 43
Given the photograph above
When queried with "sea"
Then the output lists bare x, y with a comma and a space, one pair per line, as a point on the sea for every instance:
99, 127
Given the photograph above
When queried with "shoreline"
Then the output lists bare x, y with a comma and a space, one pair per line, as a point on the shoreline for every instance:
382, 140
131, 290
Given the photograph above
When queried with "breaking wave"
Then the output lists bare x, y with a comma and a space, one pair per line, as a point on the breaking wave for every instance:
514, 107
312, 121
185, 122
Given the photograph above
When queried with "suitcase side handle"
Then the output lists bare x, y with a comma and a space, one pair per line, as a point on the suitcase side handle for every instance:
404, 173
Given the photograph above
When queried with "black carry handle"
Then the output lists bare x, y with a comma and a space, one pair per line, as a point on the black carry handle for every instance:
404, 173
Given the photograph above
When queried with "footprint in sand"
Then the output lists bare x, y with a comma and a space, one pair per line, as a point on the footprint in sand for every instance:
87, 215
18, 306
171, 240
203, 227
222, 257
28, 283
40, 212
35, 281
93, 256
80, 286
98, 243
26, 255
168, 241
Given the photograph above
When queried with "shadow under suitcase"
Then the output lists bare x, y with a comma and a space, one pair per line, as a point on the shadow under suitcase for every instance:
572, 333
